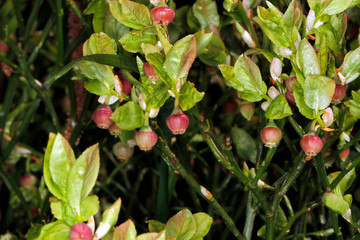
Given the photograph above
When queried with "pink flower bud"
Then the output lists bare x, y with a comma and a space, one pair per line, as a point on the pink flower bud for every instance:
114, 129
164, 15
344, 154
80, 231
290, 97
276, 69
122, 151
150, 72
339, 93
146, 140
101, 117
271, 135
126, 84
28, 181
273, 92
247, 110
311, 144
328, 117
289, 82
177, 123
229, 107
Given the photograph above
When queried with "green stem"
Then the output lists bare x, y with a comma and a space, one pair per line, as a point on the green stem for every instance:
19, 17
135, 82
296, 126
264, 165
320, 168
344, 172
77, 11
250, 217
335, 221
23, 127
13, 186
321, 233
60, 34
339, 150
33, 15
293, 218
170, 158
41, 40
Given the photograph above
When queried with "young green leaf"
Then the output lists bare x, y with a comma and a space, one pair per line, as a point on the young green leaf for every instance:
125, 231
229, 75
202, 40
182, 226
82, 177
61, 159
180, 57
50, 183
132, 41
336, 203
152, 236
307, 59
278, 109
345, 182
214, 53
206, 12
300, 102
203, 224
318, 92
62, 211
249, 77
155, 226
99, 43
131, 14
54, 231
189, 96
354, 104
245, 145
112, 27
158, 95
101, 77
337, 6
89, 206
129, 116
351, 65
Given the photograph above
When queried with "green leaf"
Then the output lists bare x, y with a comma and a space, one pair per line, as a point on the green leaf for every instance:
156, 59
351, 65
55, 231
101, 77
318, 92
61, 159
300, 102
182, 226
62, 211
229, 5
206, 12
278, 109
112, 27
129, 116
180, 57
132, 41
214, 53
249, 77
354, 104
189, 96
307, 59
158, 95
98, 8
245, 145
110, 215
202, 40
203, 224
337, 6
328, 32
152, 236
125, 231
161, 33
345, 182
336, 203
52, 186
257, 51
99, 43
131, 14
229, 75
82, 178
155, 226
